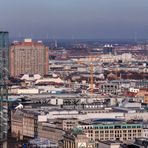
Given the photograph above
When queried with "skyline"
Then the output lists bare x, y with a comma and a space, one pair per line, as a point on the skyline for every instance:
100, 19
73, 73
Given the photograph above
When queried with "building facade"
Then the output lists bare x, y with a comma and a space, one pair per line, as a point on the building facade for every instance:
23, 124
110, 88
77, 140
50, 132
67, 123
28, 57
122, 132
4, 45
4, 53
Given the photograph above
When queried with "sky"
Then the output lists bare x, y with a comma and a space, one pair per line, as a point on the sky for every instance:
85, 19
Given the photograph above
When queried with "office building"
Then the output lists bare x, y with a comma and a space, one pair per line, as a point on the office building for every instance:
4, 49
111, 129
3, 87
28, 57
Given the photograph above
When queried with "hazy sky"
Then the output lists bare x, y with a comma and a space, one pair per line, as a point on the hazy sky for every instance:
75, 18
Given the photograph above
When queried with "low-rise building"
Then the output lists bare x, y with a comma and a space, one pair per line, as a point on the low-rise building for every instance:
67, 123
50, 131
110, 129
23, 124
77, 139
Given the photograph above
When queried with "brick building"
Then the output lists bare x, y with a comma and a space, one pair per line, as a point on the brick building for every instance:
28, 57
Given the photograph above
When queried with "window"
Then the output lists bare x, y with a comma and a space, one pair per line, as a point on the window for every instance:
111, 131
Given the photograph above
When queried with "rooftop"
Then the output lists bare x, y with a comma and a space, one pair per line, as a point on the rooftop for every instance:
95, 121
110, 142
101, 121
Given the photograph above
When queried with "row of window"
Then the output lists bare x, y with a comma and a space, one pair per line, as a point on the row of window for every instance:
110, 127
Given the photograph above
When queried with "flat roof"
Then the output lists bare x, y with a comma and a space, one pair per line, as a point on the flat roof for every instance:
107, 120
109, 142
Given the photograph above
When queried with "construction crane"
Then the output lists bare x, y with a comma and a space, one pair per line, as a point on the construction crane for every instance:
91, 59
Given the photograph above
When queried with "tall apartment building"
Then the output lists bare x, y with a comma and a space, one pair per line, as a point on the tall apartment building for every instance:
28, 57
4, 45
